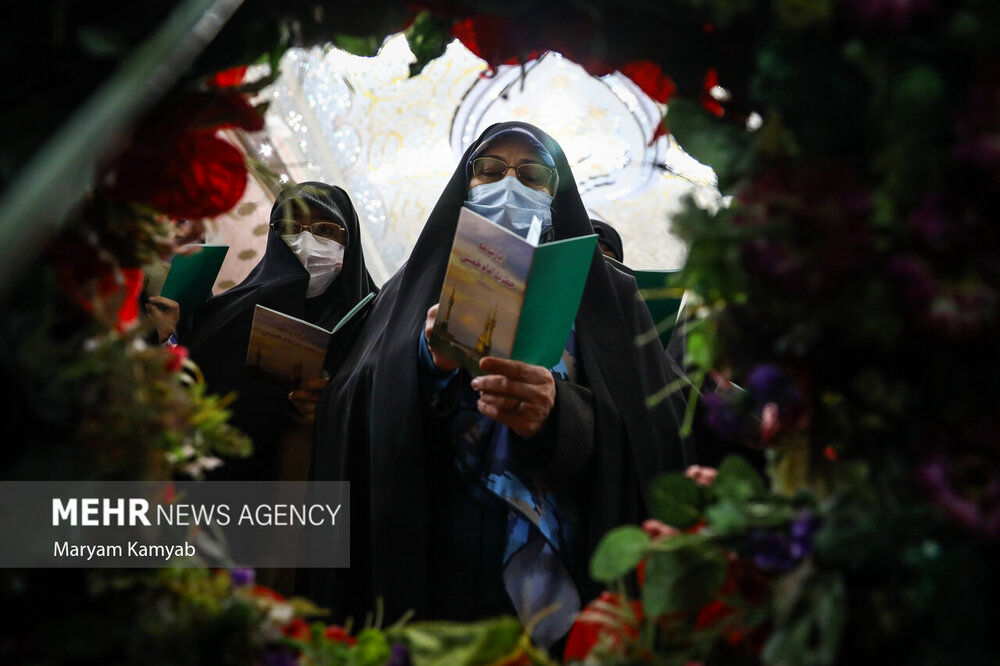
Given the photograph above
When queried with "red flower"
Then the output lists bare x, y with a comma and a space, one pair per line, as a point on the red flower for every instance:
593, 624
709, 102
492, 38
297, 629
175, 357
228, 77
651, 79
199, 175
112, 289
266, 592
338, 635
177, 165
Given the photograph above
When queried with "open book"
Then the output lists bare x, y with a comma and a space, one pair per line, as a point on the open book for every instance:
289, 350
504, 296
189, 277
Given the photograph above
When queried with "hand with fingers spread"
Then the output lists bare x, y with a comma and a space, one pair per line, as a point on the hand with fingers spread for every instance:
165, 314
307, 396
440, 360
516, 394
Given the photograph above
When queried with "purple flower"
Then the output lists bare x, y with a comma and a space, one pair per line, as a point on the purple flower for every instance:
400, 656
928, 219
967, 488
802, 529
771, 552
895, 14
767, 383
915, 279
279, 657
720, 416
781, 552
241, 576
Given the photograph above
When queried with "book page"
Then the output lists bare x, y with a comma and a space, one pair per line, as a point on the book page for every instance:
482, 293
286, 349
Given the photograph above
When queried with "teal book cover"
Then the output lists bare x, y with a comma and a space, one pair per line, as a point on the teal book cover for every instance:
192, 274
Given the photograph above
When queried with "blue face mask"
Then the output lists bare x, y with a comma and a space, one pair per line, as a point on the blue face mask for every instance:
512, 204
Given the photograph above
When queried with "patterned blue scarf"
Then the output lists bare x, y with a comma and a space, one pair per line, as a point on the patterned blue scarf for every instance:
537, 552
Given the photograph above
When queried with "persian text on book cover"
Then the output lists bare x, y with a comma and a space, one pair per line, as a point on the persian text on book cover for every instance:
286, 348
482, 293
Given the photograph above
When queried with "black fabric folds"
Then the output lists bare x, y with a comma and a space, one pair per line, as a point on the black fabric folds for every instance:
217, 336
372, 423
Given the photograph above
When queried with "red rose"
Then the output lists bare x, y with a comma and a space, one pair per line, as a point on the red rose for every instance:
297, 629
177, 165
228, 77
597, 621
651, 79
708, 102
261, 591
338, 635
198, 175
111, 290
175, 358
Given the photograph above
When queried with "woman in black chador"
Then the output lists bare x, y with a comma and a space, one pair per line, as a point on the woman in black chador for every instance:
474, 497
313, 269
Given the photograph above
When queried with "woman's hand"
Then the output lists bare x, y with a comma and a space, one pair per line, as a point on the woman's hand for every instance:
440, 360
307, 396
165, 314
516, 394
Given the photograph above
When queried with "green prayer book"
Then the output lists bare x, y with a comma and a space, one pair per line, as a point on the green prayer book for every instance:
662, 299
507, 297
190, 276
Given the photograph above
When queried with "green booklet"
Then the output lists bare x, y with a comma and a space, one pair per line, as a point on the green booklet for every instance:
663, 300
189, 277
506, 297
289, 350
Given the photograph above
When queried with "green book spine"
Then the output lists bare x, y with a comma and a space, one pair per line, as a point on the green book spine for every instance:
555, 287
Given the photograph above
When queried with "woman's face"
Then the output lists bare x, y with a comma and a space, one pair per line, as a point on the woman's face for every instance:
514, 152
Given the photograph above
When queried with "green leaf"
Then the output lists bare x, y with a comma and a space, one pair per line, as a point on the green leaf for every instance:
699, 352
721, 144
371, 650
726, 518
449, 643
737, 480
675, 499
619, 552
682, 580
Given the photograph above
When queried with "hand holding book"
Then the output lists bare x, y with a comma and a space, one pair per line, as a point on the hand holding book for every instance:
519, 395
306, 397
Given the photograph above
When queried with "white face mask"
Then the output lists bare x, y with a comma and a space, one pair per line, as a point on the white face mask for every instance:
322, 257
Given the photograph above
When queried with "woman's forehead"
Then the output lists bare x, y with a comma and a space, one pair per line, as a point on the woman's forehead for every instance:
514, 146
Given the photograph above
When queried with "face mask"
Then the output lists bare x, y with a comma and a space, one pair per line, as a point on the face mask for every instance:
514, 206
322, 257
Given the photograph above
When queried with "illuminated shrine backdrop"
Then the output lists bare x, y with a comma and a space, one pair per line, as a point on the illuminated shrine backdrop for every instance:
392, 141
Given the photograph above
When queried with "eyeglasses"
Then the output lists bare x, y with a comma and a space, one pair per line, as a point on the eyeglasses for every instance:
492, 169
330, 230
